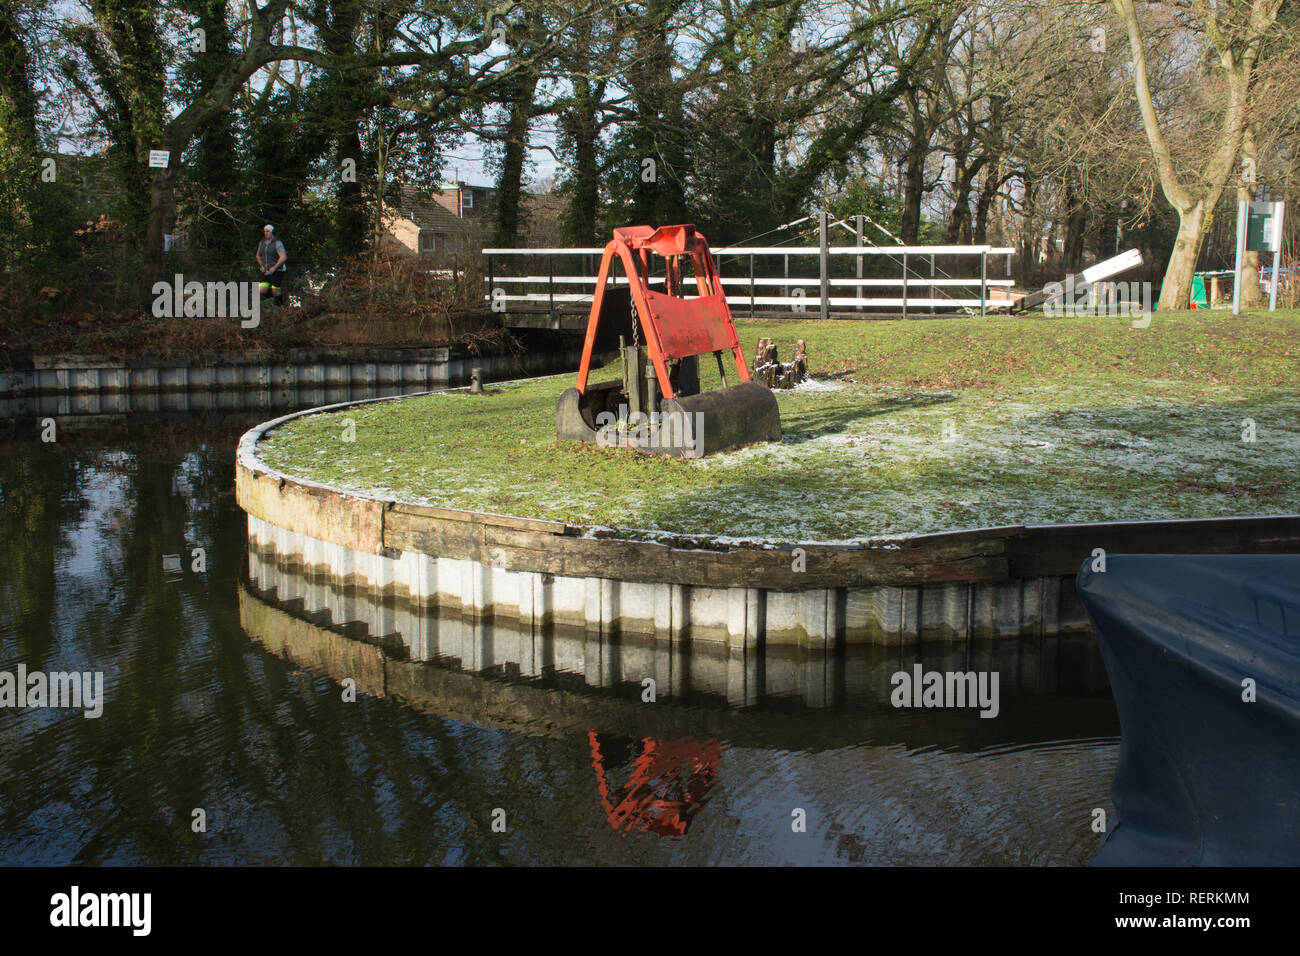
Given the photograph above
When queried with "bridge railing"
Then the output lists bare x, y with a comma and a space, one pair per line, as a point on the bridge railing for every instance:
527, 280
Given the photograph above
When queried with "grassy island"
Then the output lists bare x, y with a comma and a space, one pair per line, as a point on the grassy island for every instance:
907, 427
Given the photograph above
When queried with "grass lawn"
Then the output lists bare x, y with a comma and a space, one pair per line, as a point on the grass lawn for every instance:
908, 427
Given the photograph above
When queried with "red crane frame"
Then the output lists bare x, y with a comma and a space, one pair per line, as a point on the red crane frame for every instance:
674, 327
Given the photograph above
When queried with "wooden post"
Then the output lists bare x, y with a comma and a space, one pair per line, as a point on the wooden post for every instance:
824, 242
857, 292
634, 383
984, 278
1278, 212
1242, 207
905, 285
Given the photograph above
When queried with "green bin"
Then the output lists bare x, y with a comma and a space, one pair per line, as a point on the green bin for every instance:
1199, 301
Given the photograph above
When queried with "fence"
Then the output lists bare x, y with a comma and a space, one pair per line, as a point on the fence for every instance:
540, 290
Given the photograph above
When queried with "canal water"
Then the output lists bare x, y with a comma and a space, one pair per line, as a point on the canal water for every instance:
255, 714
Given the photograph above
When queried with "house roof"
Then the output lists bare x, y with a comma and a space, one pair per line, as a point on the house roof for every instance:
95, 182
427, 213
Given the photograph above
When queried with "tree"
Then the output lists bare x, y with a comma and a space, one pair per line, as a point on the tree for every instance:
920, 46
785, 98
649, 156
1236, 33
582, 118
122, 72
19, 167
520, 110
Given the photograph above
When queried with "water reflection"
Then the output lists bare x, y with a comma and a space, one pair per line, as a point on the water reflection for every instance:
719, 713
225, 689
107, 407
780, 681
667, 785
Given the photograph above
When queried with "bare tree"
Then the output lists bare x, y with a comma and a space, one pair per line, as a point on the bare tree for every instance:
1236, 33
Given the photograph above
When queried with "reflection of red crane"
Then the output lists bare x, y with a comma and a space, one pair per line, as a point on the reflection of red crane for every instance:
669, 784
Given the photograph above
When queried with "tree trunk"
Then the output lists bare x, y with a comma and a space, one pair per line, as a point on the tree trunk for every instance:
510, 181
657, 194
988, 191
913, 186
18, 131
339, 32
1029, 225
968, 158
160, 200
519, 101
382, 142
350, 221
1237, 63
1252, 296
1176, 290
584, 198
1105, 234
1076, 224
959, 226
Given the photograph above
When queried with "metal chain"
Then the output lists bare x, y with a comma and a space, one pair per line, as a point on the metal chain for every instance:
636, 327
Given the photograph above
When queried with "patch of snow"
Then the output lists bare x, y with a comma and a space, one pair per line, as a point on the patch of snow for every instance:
815, 385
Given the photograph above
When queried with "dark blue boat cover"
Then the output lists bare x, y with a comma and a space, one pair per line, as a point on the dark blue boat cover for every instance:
1203, 656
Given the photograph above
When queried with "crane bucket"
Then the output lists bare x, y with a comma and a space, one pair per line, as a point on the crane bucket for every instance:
658, 406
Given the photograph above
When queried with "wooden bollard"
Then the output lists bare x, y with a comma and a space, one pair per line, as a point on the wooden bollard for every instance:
769, 370
799, 364
766, 363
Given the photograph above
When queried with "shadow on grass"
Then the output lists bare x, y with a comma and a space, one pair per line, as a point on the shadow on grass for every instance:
1190, 464
805, 424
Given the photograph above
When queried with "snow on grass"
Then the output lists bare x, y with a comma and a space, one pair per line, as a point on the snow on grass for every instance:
1123, 427
811, 384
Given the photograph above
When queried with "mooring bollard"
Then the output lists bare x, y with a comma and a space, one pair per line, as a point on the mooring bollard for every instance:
769, 369
476, 381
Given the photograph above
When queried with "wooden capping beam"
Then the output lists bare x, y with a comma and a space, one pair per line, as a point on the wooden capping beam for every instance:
540, 525
312, 510
651, 562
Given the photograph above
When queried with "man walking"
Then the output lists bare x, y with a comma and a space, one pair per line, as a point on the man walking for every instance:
270, 265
